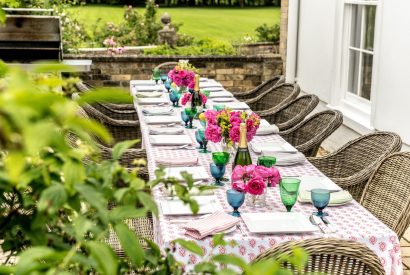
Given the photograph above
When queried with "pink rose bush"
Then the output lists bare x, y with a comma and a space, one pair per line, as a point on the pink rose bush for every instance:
252, 178
227, 123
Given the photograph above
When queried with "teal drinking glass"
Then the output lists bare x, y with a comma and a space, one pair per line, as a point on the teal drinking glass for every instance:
184, 118
199, 140
235, 199
217, 172
320, 199
204, 141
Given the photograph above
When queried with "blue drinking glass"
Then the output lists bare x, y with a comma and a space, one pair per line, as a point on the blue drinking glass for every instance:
198, 139
164, 78
217, 171
204, 141
178, 96
185, 118
168, 85
173, 97
320, 199
235, 199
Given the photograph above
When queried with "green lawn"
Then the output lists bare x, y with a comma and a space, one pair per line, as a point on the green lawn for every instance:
228, 24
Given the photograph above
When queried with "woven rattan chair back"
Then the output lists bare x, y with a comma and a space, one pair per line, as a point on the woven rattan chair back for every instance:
387, 193
292, 113
114, 111
352, 165
164, 68
270, 83
310, 133
330, 256
274, 98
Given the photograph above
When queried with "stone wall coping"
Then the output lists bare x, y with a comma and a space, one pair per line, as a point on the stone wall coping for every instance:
160, 59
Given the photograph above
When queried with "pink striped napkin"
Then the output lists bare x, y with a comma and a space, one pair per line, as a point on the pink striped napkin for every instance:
178, 162
215, 223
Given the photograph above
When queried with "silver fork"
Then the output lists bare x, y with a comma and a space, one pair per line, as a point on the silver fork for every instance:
240, 229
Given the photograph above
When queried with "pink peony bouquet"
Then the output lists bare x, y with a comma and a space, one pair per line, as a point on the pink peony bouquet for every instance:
187, 97
225, 124
183, 75
252, 179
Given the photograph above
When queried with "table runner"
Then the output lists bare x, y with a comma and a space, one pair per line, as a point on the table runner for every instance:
353, 222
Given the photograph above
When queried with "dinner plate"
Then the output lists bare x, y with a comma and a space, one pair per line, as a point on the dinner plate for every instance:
308, 183
207, 205
220, 94
142, 83
237, 106
152, 101
170, 140
278, 223
270, 148
223, 99
162, 119
197, 172
154, 94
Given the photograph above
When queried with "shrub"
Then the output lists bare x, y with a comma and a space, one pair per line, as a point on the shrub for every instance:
198, 47
267, 33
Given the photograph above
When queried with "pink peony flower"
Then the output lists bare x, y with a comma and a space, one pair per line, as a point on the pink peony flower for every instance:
250, 170
238, 173
213, 133
255, 186
239, 185
274, 176
262, 171
210, 116
185, 98
204, 98
234, 133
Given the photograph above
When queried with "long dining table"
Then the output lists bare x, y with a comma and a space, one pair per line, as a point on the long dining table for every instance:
351, 221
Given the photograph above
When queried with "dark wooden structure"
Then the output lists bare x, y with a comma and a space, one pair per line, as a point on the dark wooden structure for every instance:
27, 38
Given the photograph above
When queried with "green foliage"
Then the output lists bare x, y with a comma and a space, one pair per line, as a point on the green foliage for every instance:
267, 33
199, 47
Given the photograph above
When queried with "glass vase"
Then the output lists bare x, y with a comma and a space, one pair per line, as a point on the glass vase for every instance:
256, 200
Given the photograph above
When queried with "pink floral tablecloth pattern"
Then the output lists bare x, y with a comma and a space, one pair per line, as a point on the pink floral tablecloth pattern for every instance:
352, 221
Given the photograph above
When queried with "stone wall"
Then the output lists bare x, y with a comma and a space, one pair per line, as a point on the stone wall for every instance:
259, 48
236, 73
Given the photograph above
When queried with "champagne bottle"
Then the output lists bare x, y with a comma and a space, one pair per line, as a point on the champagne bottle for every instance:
242, 157
196, 97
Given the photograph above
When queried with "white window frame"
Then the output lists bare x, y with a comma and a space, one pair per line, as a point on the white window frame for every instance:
358, 112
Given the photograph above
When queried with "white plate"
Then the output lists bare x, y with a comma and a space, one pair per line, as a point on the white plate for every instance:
223, 99
238, 106
150, 82
308, 183
210, 85
198, 172
154, 94
149, 88
207, 204
162, 119
270, 148
165, 111
278, 222
170, 140
220, 94
152, 101
166, 130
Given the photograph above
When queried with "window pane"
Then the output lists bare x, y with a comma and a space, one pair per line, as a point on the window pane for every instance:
353, 71
370, 18
356, 26
366, 81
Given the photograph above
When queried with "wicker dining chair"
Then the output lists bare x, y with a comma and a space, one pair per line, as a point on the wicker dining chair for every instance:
387, 193
307, 136
120, 130
166, 66
112, 110
291, 113
272, 82
351, 166
274, 98
330, 256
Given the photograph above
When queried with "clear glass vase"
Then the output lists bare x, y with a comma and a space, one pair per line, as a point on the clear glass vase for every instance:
256, 200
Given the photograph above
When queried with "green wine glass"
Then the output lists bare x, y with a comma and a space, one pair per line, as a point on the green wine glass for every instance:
202, 136
190, 112
266, 161
289, 190
156, 75
220, 158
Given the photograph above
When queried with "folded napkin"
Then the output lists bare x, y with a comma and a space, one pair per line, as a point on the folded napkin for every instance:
158, 111
148, 94
336, 198
166, 131
237, 106
284, 159
267, 130
178, 162
216, 94
214, 223
272, 148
